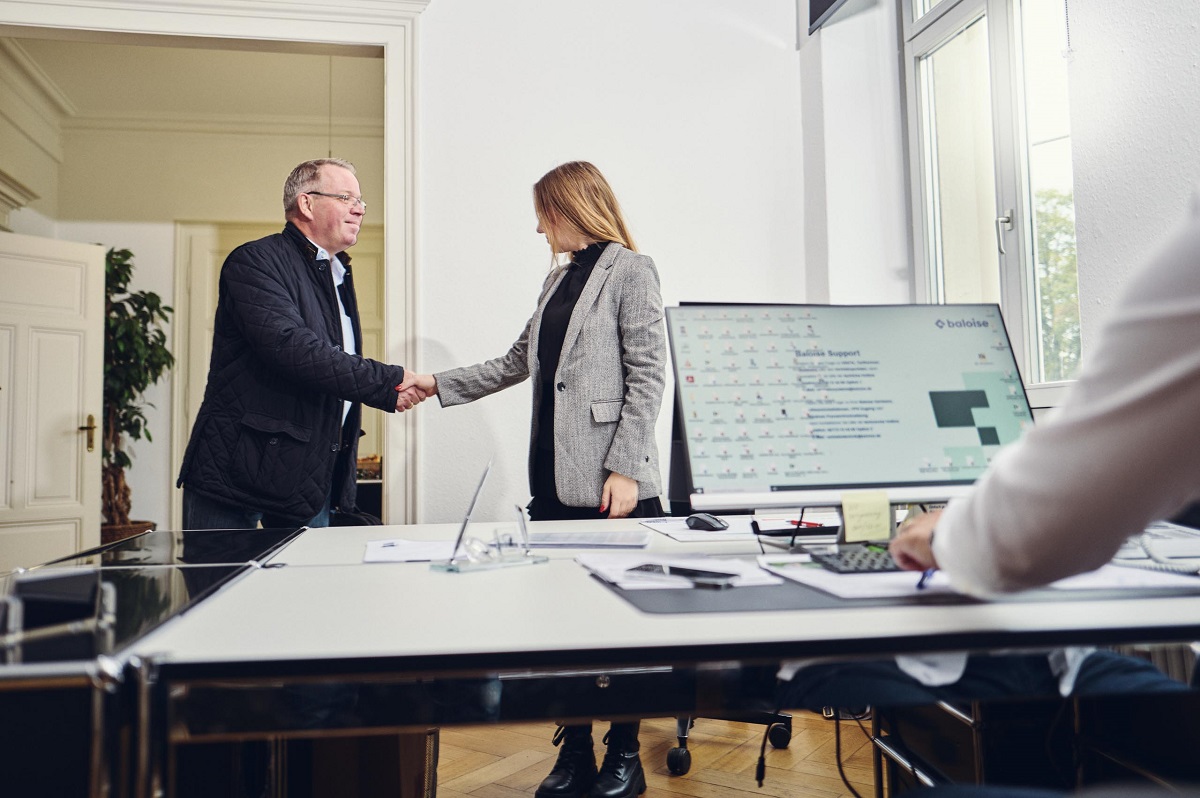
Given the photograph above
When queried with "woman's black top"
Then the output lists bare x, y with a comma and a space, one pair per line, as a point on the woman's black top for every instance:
557, 314
555, 319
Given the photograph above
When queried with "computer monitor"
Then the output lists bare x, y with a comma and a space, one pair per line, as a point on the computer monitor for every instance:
794, 405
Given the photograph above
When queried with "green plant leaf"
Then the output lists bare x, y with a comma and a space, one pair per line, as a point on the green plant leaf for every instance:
135, 357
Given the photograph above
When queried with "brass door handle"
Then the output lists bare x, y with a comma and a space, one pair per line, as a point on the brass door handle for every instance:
90, 429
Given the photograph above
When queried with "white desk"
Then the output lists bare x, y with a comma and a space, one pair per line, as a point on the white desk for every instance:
323, 602
528, 642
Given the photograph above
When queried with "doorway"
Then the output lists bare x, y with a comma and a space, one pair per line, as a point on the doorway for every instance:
129, 169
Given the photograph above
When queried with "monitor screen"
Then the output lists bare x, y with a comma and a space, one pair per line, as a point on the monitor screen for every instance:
793, 405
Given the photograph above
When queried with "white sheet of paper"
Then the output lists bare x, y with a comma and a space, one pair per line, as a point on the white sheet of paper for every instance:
624, 539
800, 568
399, 550
904, 583
1110, 576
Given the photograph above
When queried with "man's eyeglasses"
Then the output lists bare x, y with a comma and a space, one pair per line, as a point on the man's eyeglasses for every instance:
347, 199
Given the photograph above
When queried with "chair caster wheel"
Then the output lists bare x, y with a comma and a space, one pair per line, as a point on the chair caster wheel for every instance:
679, 761
779, 735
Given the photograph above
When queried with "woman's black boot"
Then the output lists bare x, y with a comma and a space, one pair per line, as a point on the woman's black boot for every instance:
575, 770
621, 775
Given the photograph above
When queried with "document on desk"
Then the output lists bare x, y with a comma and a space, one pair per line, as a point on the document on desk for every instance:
621, 539
398, 550
677, 529
798, 568
1110, 576
621, 569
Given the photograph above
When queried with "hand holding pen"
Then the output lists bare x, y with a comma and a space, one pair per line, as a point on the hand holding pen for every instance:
912, 548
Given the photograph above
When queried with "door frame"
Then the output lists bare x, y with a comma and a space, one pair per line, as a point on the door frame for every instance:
387, 25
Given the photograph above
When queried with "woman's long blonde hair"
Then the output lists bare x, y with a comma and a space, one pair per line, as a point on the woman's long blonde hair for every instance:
576, 195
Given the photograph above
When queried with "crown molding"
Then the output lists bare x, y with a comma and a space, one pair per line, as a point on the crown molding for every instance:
226, 124
13, 195
379, 12
34, 79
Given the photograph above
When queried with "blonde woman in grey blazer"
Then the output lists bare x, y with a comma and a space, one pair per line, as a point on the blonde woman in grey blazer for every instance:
596, 351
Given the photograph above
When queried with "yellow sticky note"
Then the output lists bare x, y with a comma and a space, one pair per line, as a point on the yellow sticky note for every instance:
867, 515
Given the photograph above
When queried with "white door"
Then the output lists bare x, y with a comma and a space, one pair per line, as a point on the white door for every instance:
51, 382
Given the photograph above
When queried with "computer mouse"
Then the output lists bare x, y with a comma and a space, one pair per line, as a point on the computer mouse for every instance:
705, 521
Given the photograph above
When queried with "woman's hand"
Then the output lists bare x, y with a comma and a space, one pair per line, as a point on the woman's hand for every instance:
912, 548
620, 495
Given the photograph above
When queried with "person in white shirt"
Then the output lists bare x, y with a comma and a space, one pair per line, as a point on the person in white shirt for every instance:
1123, 451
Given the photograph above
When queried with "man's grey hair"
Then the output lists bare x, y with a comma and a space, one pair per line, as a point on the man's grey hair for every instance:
306, 177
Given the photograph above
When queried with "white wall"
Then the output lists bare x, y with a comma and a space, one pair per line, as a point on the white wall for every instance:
691, 109
864, 159
1135, 112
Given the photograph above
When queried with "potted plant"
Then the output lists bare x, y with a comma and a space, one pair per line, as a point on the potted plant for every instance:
135, 357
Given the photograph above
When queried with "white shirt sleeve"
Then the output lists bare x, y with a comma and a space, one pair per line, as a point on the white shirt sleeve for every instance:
1123, 451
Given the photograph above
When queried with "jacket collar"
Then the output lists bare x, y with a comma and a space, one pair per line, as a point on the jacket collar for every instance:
292, 233
587, 297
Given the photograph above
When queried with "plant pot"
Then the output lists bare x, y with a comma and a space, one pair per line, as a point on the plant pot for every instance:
111, 533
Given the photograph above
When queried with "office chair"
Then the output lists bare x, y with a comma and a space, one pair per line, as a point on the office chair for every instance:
752, 693
779, 734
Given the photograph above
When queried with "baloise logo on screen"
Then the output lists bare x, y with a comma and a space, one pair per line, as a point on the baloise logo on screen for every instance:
956, 323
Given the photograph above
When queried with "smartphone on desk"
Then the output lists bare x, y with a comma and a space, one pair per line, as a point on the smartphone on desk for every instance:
712, 580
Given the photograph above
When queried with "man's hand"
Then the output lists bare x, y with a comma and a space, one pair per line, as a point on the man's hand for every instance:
408, 399
414, 389
912, 548
620, 495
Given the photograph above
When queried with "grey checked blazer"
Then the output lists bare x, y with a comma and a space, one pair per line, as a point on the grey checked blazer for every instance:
609, 383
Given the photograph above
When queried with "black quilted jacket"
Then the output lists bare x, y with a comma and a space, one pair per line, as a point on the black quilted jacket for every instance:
269, 431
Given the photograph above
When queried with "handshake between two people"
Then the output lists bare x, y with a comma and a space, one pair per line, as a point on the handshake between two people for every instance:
414, 389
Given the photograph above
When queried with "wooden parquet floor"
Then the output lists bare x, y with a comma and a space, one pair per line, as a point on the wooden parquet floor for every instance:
510, 761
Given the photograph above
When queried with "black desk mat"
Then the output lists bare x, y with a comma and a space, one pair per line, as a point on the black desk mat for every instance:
795, 596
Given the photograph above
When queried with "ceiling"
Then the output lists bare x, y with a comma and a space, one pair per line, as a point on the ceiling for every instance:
190, 78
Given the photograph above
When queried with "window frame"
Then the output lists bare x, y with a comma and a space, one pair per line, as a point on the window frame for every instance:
1017, 264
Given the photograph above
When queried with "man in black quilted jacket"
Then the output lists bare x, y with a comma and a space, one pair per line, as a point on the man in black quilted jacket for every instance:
277, 434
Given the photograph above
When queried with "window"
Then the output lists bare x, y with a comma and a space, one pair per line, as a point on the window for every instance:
990, 161
1048, 136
